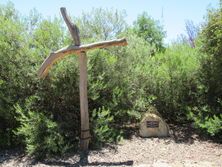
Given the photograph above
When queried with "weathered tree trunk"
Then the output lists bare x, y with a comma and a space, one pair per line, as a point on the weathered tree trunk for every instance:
85, 133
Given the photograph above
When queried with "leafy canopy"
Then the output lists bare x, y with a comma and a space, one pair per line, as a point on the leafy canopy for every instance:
150, 30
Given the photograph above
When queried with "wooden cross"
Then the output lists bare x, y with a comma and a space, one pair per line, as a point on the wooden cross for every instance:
79, 50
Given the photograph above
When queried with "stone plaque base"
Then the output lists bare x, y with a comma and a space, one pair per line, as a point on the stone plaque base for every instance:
153, 125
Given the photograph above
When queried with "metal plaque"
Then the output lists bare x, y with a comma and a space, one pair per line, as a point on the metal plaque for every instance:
152, 124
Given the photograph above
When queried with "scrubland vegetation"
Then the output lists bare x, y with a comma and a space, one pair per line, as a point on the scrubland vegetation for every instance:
182, 80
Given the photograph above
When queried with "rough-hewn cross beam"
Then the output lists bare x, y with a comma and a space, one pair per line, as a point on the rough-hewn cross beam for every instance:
79, 50
73, 49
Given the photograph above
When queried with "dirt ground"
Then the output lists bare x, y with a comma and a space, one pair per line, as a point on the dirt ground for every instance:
182, 149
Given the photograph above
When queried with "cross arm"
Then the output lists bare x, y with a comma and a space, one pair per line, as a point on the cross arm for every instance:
73, 49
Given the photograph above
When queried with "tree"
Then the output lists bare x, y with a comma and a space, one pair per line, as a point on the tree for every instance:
13, 59
150, 30
192, 32
207, 112
101, 24
211, 44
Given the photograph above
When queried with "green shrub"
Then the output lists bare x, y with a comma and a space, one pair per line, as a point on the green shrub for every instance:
103, 127
169, 78
21, 55
206, 113
211, 45
13, 59
41, 135
205, 120
117, 82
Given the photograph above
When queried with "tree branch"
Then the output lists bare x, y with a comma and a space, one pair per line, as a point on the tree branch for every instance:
73, 49
73, 29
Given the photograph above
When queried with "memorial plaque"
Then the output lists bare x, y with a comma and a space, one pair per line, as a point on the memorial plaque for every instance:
152, 124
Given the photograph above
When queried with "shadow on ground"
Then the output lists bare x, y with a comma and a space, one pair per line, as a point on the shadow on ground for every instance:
6, 155
78, 160
83, 161
79, 164
183, 134
188, 134
179, 133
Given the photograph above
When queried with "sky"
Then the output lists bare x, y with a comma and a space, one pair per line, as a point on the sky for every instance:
172, 14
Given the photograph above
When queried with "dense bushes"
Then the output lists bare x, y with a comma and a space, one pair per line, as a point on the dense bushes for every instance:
122, 81
13, 57
101, 123
171, 79
207, 112
41, 135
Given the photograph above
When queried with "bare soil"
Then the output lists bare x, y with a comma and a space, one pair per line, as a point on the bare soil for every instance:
184, 148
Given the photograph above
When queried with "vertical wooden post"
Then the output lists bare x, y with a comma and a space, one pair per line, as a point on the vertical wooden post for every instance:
85, 133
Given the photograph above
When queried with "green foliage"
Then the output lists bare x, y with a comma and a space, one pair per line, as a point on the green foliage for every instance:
20, 59
13, 58
123, 82
204, 119
101, 24
150, 30
9, 12
207, 112
211, 36
169, 79
47, 37
114, 80
41, 135
102, 124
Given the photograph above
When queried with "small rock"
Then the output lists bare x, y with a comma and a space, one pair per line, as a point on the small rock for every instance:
152, 125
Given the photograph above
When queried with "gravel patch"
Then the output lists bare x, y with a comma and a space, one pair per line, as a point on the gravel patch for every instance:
138, 152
